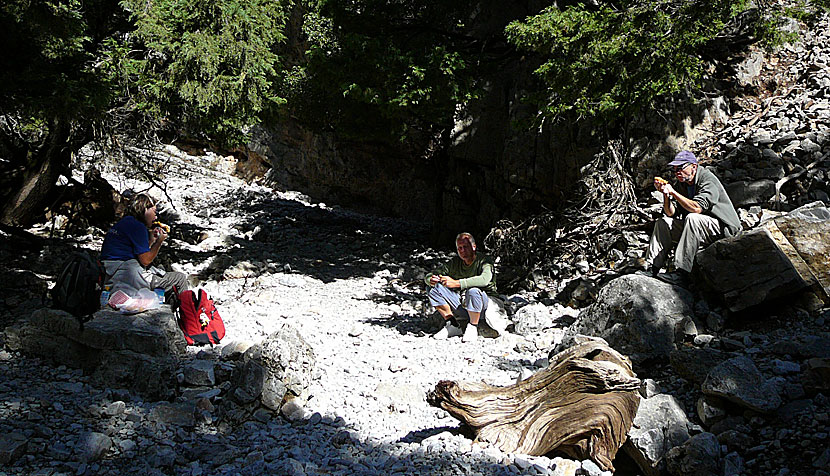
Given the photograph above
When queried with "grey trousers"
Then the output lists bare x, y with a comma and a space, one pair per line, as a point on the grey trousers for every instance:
475, 300
689, 234
129, 276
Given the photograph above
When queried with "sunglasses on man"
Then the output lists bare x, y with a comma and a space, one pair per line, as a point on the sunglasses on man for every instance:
678, 168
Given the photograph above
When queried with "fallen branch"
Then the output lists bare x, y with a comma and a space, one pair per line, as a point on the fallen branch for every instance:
582, 405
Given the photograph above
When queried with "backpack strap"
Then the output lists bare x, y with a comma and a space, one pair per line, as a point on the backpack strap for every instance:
197, 298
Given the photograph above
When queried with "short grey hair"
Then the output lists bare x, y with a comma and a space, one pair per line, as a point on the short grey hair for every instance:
466, 235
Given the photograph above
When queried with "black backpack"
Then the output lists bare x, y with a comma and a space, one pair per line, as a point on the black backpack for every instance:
78, 287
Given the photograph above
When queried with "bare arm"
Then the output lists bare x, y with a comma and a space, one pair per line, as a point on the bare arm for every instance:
669, 192
157, 237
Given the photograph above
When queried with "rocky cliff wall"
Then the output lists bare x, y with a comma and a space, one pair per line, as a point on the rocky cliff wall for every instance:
766, 128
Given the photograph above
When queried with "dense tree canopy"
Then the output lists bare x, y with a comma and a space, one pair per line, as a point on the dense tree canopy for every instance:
368, 69
72, 68
612, 61
379, 68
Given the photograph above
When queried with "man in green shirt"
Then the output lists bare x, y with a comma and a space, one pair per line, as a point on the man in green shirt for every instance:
470, 277
699, 213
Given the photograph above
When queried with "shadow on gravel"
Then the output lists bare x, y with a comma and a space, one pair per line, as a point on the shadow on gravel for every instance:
323, 243
421, 435
405, 324
57, 430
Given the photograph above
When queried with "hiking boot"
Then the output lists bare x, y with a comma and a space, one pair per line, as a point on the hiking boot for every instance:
449, 330
470, 333
676, 278
643, 272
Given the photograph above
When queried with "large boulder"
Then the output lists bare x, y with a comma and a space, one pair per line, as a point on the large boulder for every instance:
139, 352
782, 256
275, 371
660, 425
636, 315
738, 380
745, 194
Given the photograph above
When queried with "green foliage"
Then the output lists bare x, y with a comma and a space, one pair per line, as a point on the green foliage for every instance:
377, 68
612, 63
769, 33
823, 4
211, 65
47, 67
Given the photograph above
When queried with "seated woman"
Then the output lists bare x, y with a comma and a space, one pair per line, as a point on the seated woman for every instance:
130, 248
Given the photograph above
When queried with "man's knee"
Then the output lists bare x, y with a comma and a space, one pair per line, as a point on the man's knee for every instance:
437, 295
178, 279
702, 225
664, 223
475, 300
436, 291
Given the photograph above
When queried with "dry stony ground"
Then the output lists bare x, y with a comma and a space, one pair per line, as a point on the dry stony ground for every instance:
350, 284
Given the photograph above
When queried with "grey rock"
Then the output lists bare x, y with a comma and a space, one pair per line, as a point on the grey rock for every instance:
733, 464
161, 457
532, 318
746, 194
780, 257
636, 315
738, 380
660, 425
199, 372
822, 461
649, 388
735, 439
121, 351
91, 446
179, 414
278, 367
685, 330
699, 456
694, 364
234, 350
710, 410
591, 468
115, 408
12, 447
782, 367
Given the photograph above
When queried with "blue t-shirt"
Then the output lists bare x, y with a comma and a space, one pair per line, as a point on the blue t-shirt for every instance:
126, 240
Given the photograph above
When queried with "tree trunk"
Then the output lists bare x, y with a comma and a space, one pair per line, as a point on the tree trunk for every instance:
34, 171
582, 405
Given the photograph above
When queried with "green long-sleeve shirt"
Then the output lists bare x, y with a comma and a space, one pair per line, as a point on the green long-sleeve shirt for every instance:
481, 273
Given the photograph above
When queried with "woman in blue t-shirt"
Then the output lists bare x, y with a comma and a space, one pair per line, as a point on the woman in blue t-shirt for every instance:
130, 247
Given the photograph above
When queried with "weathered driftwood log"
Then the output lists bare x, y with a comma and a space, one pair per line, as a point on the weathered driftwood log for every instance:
582, 404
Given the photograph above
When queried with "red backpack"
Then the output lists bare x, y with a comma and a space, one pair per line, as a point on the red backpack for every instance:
198, 318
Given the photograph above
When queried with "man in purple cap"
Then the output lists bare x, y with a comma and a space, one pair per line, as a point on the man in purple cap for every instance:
698, 214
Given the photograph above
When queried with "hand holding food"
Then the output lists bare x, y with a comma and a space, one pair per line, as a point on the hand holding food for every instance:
662, 185
158, 224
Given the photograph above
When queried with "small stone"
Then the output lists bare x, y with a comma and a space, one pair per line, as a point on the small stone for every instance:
199, 373
115, 408
12, 447
91, 446
703, 339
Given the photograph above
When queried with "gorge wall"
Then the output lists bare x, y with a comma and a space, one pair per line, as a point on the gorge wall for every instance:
494, 166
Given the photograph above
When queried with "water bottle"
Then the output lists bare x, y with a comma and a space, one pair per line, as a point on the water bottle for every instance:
105, 296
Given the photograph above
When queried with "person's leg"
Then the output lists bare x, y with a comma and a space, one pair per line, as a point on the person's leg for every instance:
445, 301
168, 281
698, 230
666, 232
475, 303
